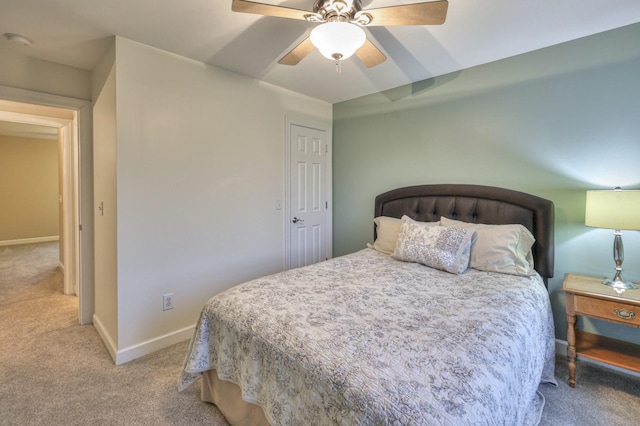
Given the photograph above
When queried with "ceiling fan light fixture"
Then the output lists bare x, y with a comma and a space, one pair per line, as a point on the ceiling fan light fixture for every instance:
338, 40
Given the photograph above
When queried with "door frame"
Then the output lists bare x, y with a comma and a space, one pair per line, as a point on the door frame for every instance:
303, 121
77, 165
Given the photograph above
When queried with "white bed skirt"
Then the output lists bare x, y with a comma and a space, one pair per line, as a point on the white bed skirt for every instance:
228, 398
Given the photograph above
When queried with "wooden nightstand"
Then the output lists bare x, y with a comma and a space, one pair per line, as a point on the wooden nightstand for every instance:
587, 296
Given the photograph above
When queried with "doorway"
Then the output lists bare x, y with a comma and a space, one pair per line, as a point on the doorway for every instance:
308, 218
72, 119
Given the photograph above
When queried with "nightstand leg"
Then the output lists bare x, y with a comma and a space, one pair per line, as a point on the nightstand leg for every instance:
571, 349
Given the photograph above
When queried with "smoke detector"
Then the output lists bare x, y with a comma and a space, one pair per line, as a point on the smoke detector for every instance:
17, 39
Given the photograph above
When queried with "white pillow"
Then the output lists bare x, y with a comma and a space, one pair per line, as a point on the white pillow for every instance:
439, 247
499, 248
387, 230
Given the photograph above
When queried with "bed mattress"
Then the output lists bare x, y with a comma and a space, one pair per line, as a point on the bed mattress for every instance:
364, 339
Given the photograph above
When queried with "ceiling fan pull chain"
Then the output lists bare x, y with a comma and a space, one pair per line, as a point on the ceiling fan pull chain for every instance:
338, 66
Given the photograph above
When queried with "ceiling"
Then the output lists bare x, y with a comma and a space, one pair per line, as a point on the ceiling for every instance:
31, 131
77, 33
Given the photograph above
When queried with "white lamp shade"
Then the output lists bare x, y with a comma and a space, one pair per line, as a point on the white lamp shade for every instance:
338, 40
615, 209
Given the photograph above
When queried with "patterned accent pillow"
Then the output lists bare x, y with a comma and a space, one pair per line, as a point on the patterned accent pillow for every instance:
439, 247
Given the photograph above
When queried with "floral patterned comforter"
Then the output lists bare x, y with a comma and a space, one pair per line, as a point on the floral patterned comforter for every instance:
363, 339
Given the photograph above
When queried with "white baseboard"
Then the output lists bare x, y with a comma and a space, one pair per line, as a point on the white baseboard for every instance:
106, 338
29, 240
145, 348
561, 348
153, 345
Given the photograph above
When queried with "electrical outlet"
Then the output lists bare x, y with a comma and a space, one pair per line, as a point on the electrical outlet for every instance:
167, 301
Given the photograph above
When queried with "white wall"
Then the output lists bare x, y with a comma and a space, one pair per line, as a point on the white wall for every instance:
23, 72
200, 163
105, 317
29, 189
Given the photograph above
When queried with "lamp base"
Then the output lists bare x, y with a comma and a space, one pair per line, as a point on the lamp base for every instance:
620, 284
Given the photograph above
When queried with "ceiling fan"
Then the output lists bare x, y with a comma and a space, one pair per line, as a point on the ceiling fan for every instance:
340, 32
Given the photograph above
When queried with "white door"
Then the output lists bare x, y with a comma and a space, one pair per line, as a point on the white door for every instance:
308, 203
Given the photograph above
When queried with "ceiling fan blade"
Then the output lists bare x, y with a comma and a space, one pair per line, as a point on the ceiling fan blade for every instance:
297, 53
430, 13
268, 9
370, 55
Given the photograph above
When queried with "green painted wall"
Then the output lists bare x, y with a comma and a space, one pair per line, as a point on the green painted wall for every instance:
553, 122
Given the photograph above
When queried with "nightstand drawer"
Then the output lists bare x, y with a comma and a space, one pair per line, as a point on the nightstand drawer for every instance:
611, 311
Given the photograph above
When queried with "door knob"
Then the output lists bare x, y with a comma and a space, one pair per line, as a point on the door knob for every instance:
296, 220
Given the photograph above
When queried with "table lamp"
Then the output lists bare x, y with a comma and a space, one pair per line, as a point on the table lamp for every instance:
614, 209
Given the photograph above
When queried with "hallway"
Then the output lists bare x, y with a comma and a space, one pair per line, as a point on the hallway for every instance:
30, 271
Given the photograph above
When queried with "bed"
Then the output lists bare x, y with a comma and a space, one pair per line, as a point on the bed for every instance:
401, 332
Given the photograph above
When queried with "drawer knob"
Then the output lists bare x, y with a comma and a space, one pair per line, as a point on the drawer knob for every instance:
624, 314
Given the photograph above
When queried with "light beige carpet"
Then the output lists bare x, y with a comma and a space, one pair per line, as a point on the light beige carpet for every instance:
56, 372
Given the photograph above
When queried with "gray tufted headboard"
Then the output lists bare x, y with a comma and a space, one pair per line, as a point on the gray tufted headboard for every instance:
477, 204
